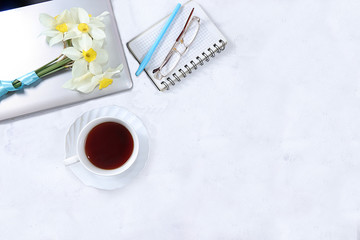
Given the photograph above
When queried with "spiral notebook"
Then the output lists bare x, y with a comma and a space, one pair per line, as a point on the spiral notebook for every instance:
207, 44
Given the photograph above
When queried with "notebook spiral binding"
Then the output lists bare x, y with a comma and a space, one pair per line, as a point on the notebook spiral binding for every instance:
194, 65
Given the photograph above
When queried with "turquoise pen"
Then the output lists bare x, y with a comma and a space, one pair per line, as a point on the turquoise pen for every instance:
156, 43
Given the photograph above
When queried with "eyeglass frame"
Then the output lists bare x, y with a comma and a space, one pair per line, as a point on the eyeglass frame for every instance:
179, 40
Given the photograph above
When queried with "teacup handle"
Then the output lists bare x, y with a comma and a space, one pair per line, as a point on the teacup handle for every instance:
71, 160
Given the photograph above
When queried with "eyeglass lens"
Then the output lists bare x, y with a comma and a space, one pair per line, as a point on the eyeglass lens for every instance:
191, 32
171, 64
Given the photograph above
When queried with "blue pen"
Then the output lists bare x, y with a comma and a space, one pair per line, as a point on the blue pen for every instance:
156, 43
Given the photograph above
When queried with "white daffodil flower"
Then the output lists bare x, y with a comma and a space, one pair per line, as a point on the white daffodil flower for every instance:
87, 82
87, 54
77, 82
58, 26
105, 79
86, 25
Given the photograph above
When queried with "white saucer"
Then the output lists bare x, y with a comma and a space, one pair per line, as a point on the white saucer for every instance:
105, 182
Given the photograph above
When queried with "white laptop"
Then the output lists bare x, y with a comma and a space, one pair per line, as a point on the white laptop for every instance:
23, 50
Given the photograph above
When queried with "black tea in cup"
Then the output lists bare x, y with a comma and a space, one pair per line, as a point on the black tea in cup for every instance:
109, 145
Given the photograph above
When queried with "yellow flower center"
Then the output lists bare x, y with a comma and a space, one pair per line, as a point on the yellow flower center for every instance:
89, 55
90, 15
83, 27
62, 27
105, 82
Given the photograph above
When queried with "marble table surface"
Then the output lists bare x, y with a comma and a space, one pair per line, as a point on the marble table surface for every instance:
262, 143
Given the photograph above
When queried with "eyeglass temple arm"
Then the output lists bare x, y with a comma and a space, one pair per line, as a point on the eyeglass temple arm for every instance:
187, 22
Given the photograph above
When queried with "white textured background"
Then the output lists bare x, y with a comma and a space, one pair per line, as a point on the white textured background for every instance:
262, 143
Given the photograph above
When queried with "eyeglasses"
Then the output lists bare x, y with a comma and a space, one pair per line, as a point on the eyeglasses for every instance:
180, 47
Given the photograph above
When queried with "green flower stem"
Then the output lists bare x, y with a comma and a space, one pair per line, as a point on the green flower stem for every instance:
53, 71
69, 43
46, 65
53, 67
49, 68
16, 83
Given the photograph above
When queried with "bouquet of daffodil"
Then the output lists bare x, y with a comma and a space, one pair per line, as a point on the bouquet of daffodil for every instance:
83, 37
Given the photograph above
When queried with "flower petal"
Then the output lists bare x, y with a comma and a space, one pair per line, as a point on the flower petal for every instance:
96, 23
120, 67
50, 33
75, 43
96, 79
69, 84
84, 78
74, 14
112, 71
58, 38
68, 18
72, 34
102, 15
101, 56
47, 20
64, 15
76, 83
89, 86
72, 53
97, 33
85, 42
83, 16
48, 40
97, 44
95, 68
79, 68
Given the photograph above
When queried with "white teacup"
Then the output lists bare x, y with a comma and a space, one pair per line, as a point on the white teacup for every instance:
81, 155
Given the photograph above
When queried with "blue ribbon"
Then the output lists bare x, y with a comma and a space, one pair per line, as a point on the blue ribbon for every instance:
27, 79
